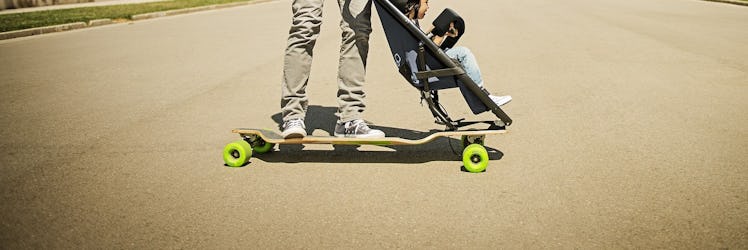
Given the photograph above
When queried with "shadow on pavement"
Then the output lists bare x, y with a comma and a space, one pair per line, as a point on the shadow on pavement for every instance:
323, 118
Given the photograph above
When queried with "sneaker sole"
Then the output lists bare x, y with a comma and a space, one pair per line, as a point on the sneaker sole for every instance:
510, 100
359, 136
294, 134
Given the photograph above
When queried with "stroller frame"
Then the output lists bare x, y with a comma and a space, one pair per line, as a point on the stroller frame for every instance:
452, 69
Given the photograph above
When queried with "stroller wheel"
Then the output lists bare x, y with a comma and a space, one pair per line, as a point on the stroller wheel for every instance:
475, 158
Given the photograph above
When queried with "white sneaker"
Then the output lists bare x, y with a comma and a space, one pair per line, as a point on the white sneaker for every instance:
500, 100
293, 128
356, 129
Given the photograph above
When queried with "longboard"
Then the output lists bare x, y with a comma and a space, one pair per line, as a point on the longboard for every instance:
238, 153
275, 138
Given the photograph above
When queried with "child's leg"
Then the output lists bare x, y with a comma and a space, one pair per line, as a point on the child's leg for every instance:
467, 59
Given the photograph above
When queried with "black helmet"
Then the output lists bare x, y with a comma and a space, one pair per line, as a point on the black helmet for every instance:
404, 6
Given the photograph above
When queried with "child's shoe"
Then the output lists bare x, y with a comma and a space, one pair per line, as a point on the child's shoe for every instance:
500, 100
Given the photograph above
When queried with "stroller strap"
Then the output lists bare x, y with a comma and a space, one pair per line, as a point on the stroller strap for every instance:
440, 73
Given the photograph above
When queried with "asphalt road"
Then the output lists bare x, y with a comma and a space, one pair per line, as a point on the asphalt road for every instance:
630, 132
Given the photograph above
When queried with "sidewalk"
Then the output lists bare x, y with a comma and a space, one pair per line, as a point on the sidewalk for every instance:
77, 5
106, 21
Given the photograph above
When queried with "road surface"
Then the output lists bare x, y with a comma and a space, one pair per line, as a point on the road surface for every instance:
629, 132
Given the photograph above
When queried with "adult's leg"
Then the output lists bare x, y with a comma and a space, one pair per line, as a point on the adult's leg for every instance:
305, 27
354, 50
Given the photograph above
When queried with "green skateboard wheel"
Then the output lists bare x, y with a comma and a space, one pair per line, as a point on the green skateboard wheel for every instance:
261, 146
237, 153
475, 158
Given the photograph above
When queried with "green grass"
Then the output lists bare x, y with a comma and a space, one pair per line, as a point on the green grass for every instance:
19, 21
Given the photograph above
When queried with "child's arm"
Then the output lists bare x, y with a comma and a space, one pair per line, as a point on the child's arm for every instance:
438, 40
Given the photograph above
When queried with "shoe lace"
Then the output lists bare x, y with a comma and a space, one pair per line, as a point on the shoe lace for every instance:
356, 126
294, 123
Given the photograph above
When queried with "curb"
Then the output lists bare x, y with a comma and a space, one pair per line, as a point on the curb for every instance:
101, 22
42, 30
730, 2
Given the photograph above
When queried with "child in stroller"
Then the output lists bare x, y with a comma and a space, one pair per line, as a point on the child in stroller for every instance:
416, 10
428, 68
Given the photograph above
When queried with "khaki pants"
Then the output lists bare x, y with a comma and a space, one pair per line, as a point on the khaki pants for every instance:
305, 27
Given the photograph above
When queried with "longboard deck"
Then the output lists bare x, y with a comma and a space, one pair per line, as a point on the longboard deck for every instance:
273, 137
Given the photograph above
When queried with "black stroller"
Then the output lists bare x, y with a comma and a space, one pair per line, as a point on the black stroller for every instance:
436, 70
